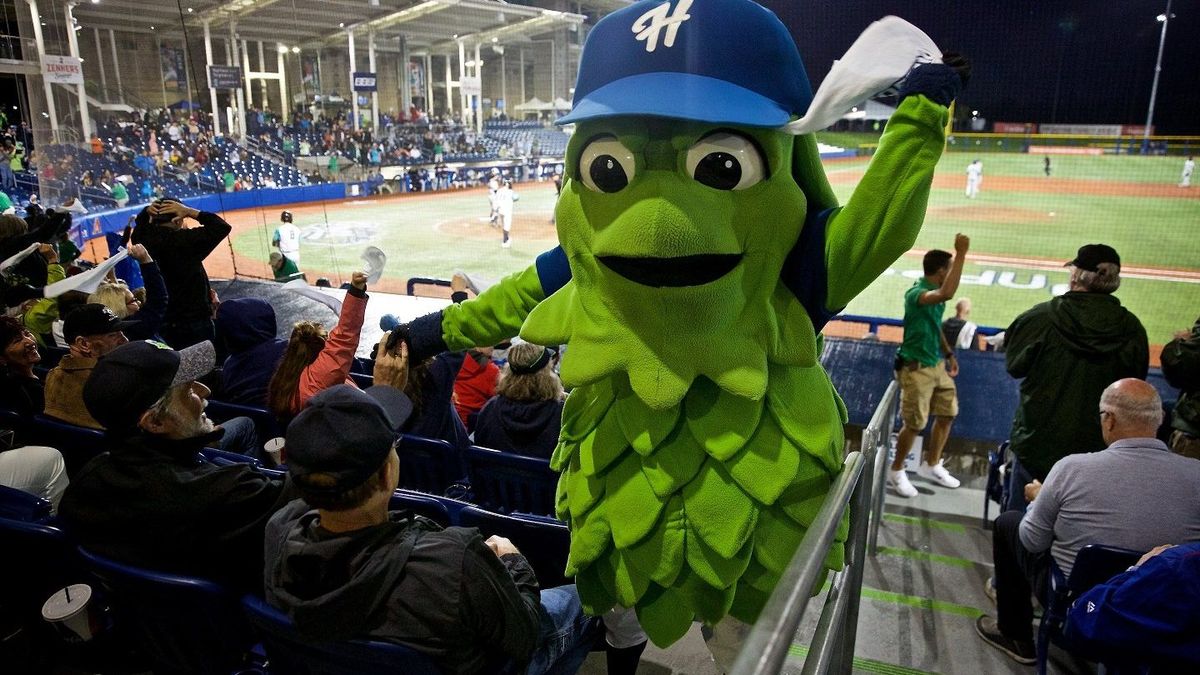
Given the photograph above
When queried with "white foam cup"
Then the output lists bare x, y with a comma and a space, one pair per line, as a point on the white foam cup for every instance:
274, 448
69, 607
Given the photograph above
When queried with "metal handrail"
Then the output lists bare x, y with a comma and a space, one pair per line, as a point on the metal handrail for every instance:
860, 487
879, 430
767, 645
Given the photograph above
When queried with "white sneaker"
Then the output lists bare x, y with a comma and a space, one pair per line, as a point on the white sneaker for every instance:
937, 474
506, 244
898, 480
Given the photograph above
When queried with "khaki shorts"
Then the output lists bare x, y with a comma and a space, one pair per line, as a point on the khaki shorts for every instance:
923, 388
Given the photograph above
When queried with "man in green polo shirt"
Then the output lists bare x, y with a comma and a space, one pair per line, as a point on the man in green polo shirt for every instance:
925, 382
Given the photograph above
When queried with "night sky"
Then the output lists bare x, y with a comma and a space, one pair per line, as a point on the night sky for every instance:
1104, 50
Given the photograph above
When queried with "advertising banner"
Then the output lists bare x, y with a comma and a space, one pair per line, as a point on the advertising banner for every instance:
174, 68
364, 81
62, 69
225, 77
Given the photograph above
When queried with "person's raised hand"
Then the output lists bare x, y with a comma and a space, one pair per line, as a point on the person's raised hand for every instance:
47, 251
391, 362
359, 281
952, 365
501, 546
140, 254
961, 243
175, 210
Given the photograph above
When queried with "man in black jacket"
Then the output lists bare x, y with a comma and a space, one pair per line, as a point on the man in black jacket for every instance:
180, 252
149, 500
342, 566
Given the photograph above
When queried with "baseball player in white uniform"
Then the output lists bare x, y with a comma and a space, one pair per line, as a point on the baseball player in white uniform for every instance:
974, 178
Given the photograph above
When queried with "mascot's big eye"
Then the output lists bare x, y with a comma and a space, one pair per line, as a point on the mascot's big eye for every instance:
605, 165
726, 161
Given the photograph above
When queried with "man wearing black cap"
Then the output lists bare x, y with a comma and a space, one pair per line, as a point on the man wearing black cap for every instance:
180, 252
1068, 350
149, 501
91, 331
342, 566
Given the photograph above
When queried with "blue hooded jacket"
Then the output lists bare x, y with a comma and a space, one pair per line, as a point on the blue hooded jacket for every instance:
247, 328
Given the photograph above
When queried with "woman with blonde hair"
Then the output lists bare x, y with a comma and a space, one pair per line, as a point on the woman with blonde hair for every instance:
525, 414
316, 359
117, 297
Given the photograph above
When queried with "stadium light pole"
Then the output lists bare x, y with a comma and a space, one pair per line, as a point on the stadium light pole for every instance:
1164, 19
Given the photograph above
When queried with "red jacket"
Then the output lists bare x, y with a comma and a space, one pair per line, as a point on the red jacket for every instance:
473, 387
332, 366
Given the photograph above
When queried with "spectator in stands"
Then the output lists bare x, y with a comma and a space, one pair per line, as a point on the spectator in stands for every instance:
1145, 615
34, 469
247, 328
959, 329
1068, 350
342, 566
91, 331
97, 145
475, 384
525, 415
229, 180
20, 389
149, 502
8, 180
122, 301
925, 381
180, 253
315, 359
283, 267
1181, 367
119, 194
1135, 494
6, 205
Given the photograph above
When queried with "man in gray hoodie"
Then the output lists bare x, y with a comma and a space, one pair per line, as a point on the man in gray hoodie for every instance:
341, 566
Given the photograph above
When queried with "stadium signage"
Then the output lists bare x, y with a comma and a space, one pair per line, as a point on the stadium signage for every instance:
62, 69
225, 77
364, 81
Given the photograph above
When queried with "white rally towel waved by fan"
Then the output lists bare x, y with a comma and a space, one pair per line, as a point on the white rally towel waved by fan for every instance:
877, 60
85, 282
374, 260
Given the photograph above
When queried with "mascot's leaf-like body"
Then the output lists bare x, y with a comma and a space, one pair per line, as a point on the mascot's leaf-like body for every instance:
699, 258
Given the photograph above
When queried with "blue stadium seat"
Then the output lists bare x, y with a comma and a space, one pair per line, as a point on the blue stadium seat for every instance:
78, 445
421, 505
182, 624
265, 423
38, 559
224, 458
545, 542
427, 465
1094, 564
289, 653
508, 483
999, 481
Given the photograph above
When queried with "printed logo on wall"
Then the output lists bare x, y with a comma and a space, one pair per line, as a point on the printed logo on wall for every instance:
364, 81
225, 77
62, 69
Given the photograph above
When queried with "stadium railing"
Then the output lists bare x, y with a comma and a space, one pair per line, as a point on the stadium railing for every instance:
860, 487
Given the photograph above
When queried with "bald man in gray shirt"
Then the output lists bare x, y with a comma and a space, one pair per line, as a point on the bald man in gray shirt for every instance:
1135, 494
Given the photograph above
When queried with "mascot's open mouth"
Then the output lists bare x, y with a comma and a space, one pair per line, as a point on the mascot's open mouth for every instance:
688, 270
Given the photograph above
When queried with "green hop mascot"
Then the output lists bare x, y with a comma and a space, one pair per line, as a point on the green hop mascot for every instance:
701, 252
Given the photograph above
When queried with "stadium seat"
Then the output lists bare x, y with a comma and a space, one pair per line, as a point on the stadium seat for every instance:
78, 445
428, 465
509, 483
265, 423
545, 542
224, 458
999, 481
421, 505
182, 624
20, 505
1094, 564
38, 557
289, 653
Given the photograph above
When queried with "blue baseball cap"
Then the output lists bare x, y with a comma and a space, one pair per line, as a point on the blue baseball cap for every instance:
717, 61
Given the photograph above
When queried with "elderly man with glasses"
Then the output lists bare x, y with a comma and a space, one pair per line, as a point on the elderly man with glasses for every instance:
1134, 494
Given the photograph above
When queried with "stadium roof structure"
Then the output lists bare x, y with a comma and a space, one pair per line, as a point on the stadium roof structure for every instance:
433, 26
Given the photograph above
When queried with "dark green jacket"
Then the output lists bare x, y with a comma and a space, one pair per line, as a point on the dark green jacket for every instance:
1181, 366
1068, 350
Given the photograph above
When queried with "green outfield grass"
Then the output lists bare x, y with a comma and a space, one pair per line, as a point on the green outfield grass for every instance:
433, 237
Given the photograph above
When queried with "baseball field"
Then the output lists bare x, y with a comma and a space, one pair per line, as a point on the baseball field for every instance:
1023, 226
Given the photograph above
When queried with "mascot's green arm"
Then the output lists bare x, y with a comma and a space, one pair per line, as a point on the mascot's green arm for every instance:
496, 315
883, 216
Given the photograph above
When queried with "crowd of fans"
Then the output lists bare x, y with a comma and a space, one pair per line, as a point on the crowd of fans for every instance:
139, 357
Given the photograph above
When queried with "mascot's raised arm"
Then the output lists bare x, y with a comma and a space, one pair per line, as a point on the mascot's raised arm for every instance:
701, 252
